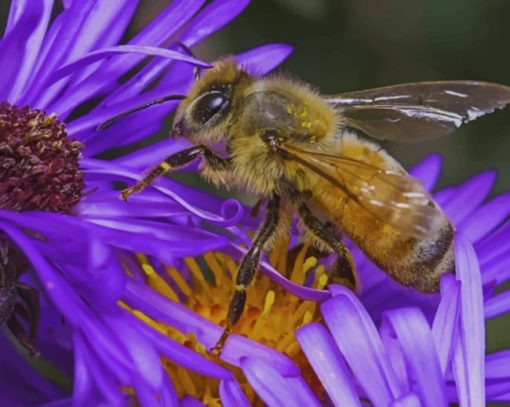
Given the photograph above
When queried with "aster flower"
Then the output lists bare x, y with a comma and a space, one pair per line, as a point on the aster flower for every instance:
63, 229
391, 346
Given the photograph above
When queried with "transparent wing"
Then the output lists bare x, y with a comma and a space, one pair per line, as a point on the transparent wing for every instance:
390, 197
418, 111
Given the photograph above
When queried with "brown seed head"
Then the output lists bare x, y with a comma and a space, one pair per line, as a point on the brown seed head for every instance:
39, 164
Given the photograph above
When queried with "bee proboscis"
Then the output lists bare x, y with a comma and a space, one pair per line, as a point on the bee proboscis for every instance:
297, 149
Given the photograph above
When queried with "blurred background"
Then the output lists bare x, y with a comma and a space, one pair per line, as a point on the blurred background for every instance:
343, 45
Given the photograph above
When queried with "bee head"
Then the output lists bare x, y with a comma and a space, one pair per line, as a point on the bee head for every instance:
203, 116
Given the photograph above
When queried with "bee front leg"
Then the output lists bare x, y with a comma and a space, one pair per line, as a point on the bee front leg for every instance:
175, 161
247, 270
345, 267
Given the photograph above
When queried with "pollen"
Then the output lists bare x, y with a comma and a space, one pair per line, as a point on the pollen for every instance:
39, 163
271, 316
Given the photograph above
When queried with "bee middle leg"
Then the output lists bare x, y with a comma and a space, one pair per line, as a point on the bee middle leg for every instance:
344, 267
247, 270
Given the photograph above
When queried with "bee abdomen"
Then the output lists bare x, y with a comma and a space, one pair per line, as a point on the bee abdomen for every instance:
425, 261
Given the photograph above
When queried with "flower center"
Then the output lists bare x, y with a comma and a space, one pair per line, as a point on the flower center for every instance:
271, 315
39, 164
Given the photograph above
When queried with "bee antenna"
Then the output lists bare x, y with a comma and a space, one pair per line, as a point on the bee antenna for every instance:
143, 106
187, 50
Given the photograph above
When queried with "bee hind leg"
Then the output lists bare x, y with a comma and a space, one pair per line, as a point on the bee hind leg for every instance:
247, 269
344, 269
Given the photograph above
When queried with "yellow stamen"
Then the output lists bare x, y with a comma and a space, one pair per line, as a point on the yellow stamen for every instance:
179, 280
155, 280
271, 316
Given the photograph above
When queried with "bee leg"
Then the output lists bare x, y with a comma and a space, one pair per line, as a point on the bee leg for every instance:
177, 160
345, 267
255, 208
247, 270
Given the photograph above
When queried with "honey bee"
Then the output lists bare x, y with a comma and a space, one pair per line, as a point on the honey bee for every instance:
297, 149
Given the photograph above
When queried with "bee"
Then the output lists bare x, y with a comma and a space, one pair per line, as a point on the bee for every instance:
297, 149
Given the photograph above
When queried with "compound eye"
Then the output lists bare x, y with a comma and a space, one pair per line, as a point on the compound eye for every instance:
210, 105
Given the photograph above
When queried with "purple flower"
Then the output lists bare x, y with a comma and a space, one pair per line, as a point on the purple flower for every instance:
392, 345
63, 229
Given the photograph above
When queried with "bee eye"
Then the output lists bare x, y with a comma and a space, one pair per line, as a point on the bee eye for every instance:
209, 105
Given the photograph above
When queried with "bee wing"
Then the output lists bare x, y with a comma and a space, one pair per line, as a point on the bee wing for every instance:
418, 111
391, 197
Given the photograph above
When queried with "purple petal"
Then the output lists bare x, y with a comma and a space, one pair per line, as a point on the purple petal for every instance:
170, 242
497, 305
407, 400
493, 255
14, 45
156, 33
190, 401
178, 316
211, 19
444, 328
58, 51
64, 402
397, 358
108, 205
231, 394
261, 60
469, 196
32, 44
470, 348
486, 218
144, 394
146, 50
82, 380
497, 365
96, 32
232, 208
181, 355
427, 171
415, 338
105, 382
143, 357
361, 347
328, 363
18, 8
497, 377
168, 395
273, 388
445, 195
